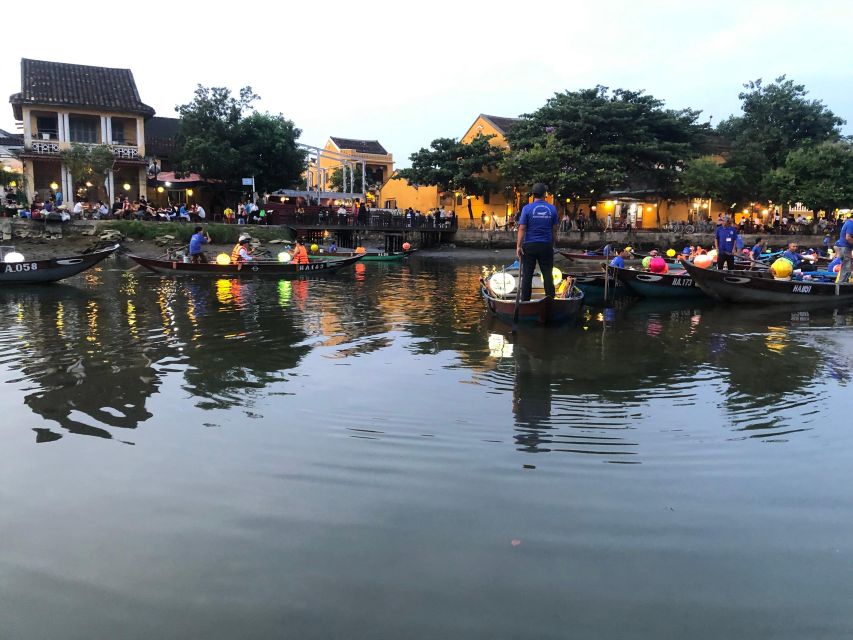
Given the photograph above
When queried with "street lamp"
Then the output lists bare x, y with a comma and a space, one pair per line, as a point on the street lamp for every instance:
189, 193
126, 186
54, 186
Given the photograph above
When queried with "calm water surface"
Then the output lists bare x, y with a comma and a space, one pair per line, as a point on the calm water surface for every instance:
370, 456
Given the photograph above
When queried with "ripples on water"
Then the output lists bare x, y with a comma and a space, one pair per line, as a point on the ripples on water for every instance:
389, 389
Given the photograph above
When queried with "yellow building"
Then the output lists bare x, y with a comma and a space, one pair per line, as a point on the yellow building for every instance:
399, 194
340, 152
60, 104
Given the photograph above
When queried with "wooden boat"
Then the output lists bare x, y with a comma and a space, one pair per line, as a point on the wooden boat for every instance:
51, 270
542, 311
675, 284
368, 256
253, 268
592, 256
761, 287
592, 284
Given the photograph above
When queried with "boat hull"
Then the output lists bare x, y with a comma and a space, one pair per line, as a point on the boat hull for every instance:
52, 270
369, 257
745, 286
254, 268
545, 311
679, 286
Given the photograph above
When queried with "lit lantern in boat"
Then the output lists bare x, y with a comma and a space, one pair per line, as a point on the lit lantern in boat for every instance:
782, 269
670, 253
557, 275
713, 255
646, 262
406, 246
284, 256
703, 261
658, 265
13, 256
360, 250
502, 283
314, 248
223, 259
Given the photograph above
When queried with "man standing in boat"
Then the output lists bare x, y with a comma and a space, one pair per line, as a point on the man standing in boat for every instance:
537, 231
197, 242
843, 247
725, 241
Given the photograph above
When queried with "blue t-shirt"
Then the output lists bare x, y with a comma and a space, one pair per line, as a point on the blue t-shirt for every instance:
726, 239
846, 228
756, 252
618, 262
196, 241
793, 257
539, 217
739, 243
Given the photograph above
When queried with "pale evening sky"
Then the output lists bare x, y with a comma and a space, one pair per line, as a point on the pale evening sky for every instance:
405, 73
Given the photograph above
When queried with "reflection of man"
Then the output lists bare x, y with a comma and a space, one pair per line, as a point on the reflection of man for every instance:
531, 397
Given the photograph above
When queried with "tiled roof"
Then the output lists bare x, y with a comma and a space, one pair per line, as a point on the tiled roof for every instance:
76, 85
501, 123
11, 139
360, 146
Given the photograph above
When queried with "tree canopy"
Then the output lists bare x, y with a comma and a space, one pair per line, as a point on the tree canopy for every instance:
223, 138
88, 163
452, 165
583, 143
819, 176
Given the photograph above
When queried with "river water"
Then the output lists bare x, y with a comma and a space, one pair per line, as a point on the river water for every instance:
370, 456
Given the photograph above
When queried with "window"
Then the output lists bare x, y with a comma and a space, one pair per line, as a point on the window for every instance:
486, 197
118, 131
83, 129
47, 127
458, 198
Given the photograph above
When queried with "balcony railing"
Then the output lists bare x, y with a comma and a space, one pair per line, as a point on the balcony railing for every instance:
52, 148
126, 151
45, 148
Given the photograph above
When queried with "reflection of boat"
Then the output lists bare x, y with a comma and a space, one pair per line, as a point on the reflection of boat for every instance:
254, 268
38, 271
750, 286
546, 311
659, 285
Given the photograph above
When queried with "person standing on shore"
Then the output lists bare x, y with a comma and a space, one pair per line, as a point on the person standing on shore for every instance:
843, 247
537, 232
725, 240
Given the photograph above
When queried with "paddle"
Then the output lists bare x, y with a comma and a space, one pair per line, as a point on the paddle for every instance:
517, 297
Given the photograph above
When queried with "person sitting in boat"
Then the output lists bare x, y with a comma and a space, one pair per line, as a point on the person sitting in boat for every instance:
758, 249
333, 247
197, 241
619, 261
242, 251
801, 261
300, 253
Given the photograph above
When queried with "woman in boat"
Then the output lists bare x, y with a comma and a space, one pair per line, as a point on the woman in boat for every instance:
300, 253
242, 251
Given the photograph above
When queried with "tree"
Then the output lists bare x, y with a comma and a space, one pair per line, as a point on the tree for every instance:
88, 163
707, 178
820, 176
452, 165
222, 138
584, 143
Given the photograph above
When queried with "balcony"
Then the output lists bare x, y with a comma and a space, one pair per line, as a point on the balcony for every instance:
48, 147
45, 147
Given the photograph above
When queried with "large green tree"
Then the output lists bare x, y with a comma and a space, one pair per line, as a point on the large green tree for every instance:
222, 138
584, 143
706, 178
819, 176
452, 165
777, 118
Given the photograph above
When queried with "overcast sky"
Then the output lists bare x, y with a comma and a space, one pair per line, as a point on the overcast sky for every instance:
405, 73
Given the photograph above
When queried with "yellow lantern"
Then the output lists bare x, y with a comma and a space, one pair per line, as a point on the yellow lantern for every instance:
314, 248
284, 256
782, 269
160, 189
54, 186
557, 276
223, 259
189, 192
126, 186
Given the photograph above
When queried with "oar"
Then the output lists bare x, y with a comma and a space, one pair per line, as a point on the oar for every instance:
518, 296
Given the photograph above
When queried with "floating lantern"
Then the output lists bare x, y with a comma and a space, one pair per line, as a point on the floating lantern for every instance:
713, 255
360, 250
314, 248
670, 253
223, 259
502, 283
703, 261
629, 249
284, 256
557, 275
12, 257
406, 246
658, 265
646, 262
782, 269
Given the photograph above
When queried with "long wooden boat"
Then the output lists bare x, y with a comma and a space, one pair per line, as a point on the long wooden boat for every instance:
678, 284
577, 255
592, 284
761, 287
368, 256
253, 268
542, 311
51, 270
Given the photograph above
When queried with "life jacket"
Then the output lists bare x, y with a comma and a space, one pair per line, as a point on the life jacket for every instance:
300, 255
235, 253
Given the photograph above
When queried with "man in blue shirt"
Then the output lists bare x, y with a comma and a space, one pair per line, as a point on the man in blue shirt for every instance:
198, 239
619, 261
795, 258
725, 240
843, 248
537, 232
758, 249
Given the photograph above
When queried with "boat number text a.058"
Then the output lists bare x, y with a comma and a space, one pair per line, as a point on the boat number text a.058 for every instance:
22, 266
